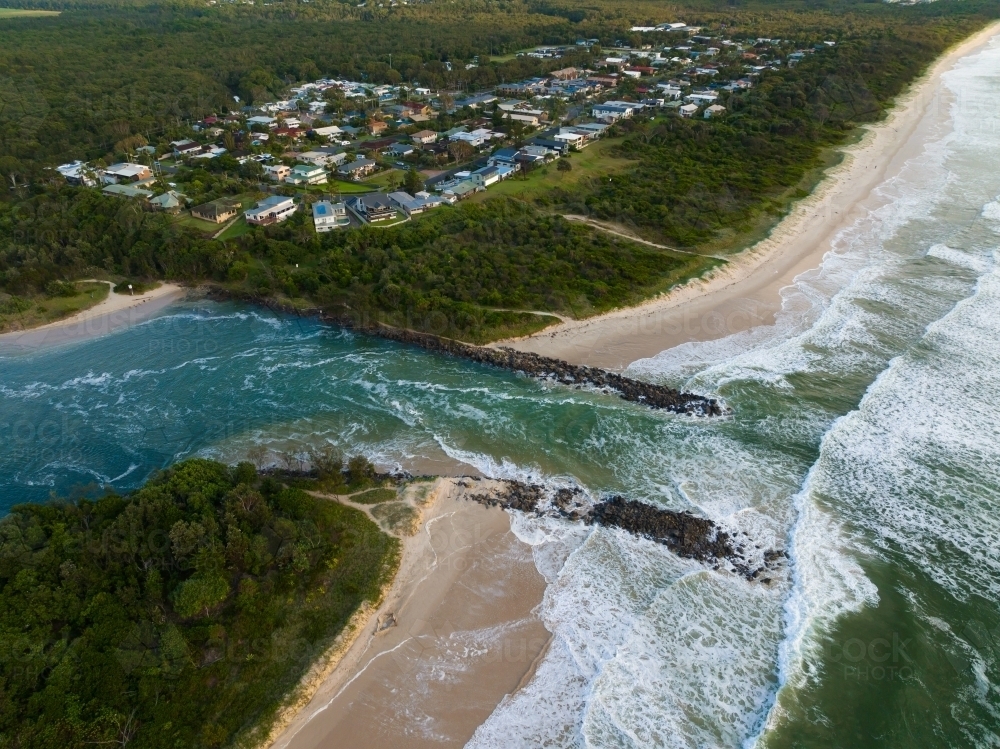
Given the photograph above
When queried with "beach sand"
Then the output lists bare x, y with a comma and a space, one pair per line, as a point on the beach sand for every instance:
117, 311
745, 292
464, 634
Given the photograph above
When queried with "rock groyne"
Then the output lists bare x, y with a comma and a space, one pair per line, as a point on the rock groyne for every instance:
531, 364
685, 534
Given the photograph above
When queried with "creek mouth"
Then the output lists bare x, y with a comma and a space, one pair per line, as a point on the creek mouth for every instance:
534, 365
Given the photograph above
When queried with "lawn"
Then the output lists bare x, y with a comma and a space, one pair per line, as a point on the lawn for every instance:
382, 180
594, 160
237, 229
345, 187
20, 314
23, 13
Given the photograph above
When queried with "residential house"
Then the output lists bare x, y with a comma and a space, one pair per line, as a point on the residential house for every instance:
531, 154
357, 169
277, 172
716, 110
400, 150
424, 137
328, 216
412, 205
593, 130
331, 131
528, 119
324, 156
169, 202
306, 174
611, 112
475, 139
272, 210
127, 191
415, 107
185, 148
118, 173
263, 121
573, 138
372, 208
377, 127
218, 211
78, 173
506, 156
701, 97
461, 190
558, 147
566, 74
688, 110
486, 176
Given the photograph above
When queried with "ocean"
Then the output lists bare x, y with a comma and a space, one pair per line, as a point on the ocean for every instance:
863, 439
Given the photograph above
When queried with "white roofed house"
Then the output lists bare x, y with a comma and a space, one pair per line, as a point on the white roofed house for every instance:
688, 110
185, 148
575, 139
612, 111
324, 157
78, 173
716, 110
125, 172
701, 97
272, 210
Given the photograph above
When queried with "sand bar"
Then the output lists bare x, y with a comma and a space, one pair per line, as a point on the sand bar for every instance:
464, 633
114, 312
746, 291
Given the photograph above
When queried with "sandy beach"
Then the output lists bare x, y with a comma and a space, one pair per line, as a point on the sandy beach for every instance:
746, 291
117, 311
455, 633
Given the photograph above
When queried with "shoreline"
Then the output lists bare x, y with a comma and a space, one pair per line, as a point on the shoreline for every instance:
456, 631
114, 312
745, 293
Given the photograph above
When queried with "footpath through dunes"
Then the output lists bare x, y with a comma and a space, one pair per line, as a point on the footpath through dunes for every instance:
532, 364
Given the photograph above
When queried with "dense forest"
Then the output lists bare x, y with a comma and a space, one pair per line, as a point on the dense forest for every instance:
180, 615
73, 86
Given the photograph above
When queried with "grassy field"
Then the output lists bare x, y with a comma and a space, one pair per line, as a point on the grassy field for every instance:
22, 13
21, 314
592, 161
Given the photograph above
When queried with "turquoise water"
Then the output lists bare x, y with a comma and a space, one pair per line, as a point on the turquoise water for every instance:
863, 439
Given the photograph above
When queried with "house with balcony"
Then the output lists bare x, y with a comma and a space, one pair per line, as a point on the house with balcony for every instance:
372, 208
306, 174
357, 169
277, 172
328, 216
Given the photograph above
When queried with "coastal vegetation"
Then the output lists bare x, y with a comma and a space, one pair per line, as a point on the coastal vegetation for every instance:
180, 615
106, 75
58, 299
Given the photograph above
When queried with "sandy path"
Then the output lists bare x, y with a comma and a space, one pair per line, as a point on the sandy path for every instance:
116, 311
745, 292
